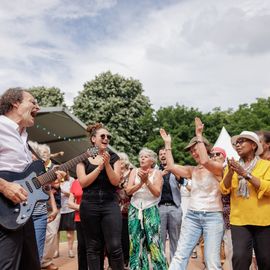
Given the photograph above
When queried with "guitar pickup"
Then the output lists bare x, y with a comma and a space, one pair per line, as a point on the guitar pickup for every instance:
36, 183
29, 186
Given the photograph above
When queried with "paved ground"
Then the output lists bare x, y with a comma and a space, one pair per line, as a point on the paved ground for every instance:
66, 263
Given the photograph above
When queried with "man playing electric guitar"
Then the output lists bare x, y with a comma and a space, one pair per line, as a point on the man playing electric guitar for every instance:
18, 108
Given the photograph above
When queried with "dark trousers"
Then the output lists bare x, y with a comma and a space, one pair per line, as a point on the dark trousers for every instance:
81, 249
244, 238
125, 239
18, 249
102, 222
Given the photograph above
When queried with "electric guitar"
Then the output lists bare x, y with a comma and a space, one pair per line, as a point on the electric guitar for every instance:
32, 179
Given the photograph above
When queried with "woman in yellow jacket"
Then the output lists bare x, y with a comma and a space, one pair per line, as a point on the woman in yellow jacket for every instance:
248, 182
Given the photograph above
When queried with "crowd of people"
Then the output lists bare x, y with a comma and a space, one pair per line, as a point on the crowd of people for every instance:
125, 213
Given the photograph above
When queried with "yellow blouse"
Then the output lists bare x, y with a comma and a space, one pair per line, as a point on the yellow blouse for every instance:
254, 210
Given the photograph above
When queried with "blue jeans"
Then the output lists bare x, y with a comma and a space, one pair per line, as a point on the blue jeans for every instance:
195, 224
40, 225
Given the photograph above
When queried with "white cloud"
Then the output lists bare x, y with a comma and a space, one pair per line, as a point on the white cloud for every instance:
201, 55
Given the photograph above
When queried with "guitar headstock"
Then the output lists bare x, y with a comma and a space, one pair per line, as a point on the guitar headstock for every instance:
93, 151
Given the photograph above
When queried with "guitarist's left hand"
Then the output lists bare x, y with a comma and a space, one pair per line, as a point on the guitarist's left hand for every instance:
60, 175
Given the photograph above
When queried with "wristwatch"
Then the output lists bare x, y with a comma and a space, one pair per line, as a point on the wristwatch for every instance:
248, 176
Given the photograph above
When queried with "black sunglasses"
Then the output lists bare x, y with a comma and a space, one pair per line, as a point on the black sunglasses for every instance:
240, 141
103, 136
216, 154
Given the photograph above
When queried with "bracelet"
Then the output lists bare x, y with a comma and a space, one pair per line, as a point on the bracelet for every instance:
148, 183
168, 149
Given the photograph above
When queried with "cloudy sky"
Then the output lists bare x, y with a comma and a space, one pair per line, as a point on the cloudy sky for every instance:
199, 53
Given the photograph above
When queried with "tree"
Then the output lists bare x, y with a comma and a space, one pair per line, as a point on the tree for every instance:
213, 123
120, 105
250, 117
48, 97
179, 122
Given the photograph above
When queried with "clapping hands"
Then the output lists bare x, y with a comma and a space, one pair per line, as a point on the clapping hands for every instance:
143, 175
234, 166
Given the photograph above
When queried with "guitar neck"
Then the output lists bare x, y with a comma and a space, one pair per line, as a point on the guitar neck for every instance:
50, 176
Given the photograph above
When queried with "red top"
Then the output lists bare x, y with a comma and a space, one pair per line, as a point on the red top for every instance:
77, 192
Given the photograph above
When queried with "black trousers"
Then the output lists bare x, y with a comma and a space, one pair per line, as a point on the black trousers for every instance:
244, 238
102, 223
125, 239
18, 249
81, 249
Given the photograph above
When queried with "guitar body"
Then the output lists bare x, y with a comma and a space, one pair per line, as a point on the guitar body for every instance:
13, 216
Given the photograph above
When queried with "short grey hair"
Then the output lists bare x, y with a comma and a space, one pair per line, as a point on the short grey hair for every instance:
151, 154
124, 157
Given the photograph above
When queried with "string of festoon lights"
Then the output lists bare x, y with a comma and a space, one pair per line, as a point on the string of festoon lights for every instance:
53, 134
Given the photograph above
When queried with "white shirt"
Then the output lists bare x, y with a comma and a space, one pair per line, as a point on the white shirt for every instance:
205, 192
143, 198
65, 186
14, 152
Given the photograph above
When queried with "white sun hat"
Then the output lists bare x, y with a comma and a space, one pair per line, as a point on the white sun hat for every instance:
251, 136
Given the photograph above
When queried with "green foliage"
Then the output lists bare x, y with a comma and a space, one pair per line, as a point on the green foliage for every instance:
179, 122
250, 117
213, 123
48, 97
118, 103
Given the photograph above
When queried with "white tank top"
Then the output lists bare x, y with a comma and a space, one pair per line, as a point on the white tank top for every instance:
143, 198
205, 192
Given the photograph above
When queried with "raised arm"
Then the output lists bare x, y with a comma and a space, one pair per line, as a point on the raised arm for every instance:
213, 166
177, 170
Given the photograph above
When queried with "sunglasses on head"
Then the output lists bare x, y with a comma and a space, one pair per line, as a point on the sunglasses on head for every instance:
215, 154
103, 136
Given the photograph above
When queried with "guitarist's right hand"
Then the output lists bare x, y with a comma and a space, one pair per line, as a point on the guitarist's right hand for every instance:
13, 191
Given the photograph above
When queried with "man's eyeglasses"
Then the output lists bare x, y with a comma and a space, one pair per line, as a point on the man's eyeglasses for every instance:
240, 141
103, 136
215, 154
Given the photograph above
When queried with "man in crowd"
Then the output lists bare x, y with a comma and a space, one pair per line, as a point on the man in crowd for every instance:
169, 206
